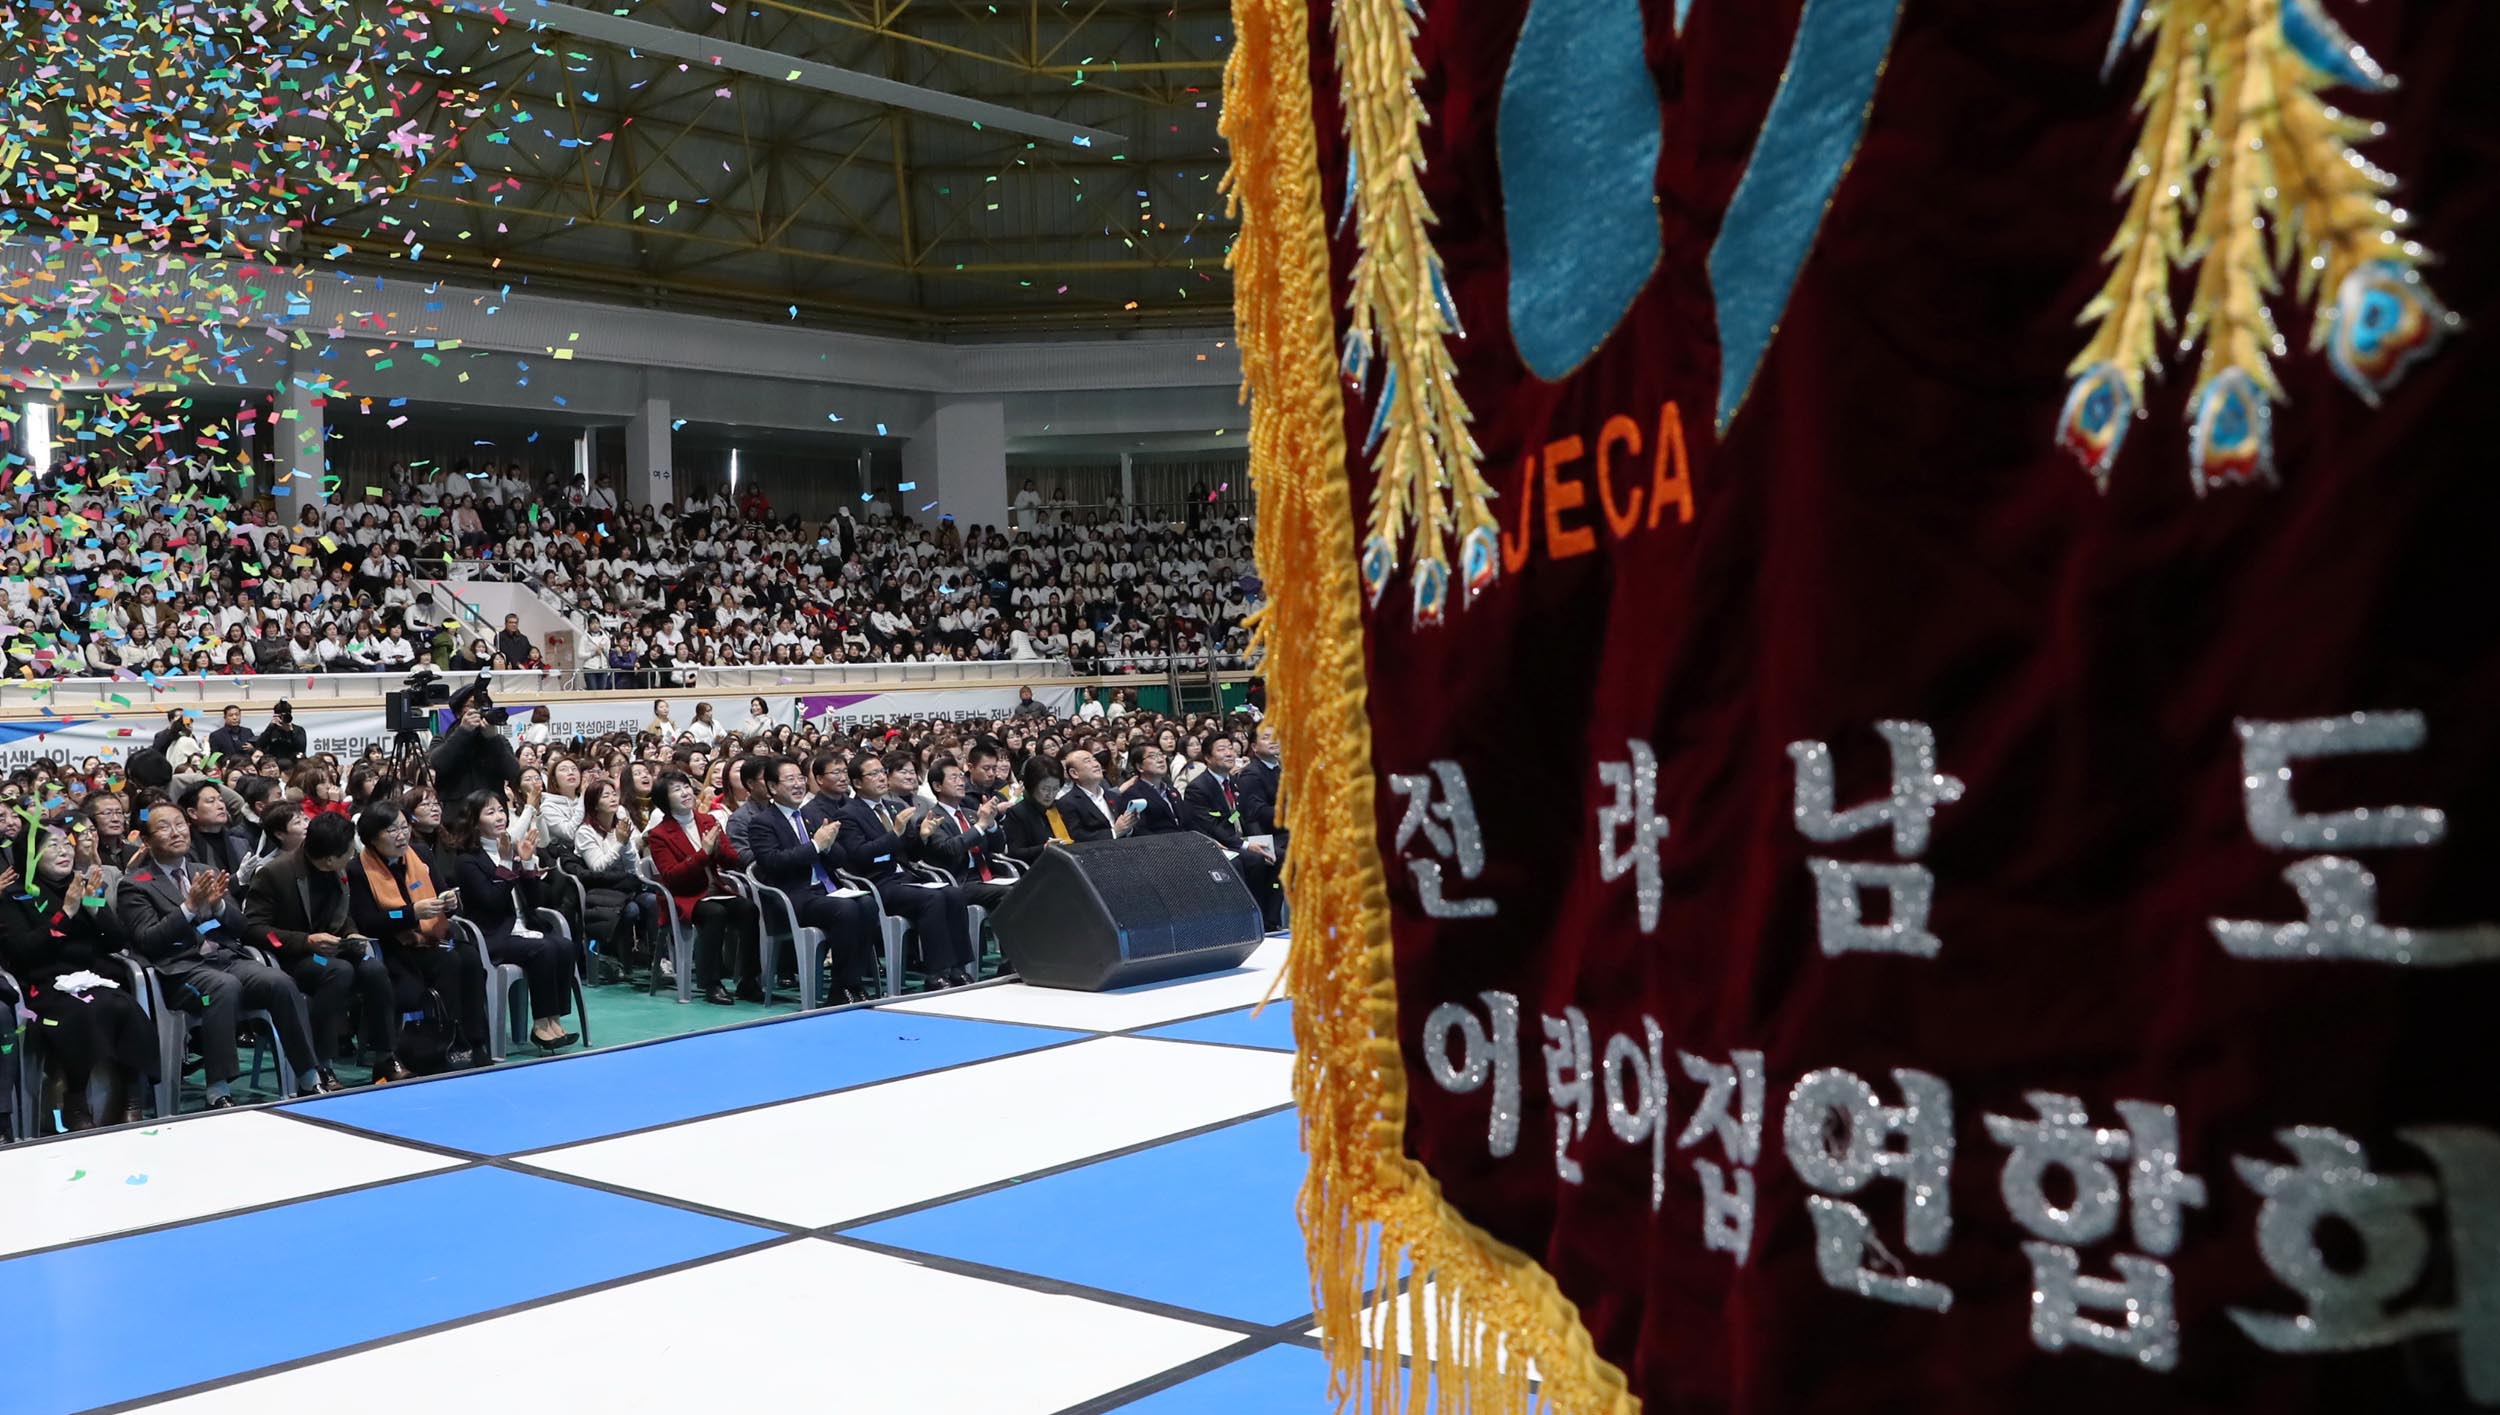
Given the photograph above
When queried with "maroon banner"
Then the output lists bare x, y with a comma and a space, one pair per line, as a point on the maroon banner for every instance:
1887, 917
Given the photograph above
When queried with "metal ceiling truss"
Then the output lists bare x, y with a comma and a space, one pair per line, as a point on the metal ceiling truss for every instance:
847, 210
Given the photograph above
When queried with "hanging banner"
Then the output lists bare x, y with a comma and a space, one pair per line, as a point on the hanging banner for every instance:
1893, 793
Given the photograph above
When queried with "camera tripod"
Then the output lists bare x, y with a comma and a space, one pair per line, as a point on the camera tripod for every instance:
407, 755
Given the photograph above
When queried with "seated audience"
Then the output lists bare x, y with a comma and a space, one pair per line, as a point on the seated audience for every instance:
298, 903
688, 852
800, 860
1212, 807
391, 898
185, 922
1148, 793
492, 879
57, 940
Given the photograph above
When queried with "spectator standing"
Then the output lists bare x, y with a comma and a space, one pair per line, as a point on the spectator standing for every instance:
232, 741
282, 739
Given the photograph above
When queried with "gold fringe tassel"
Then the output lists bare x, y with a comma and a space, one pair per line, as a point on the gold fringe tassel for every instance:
1368, 1213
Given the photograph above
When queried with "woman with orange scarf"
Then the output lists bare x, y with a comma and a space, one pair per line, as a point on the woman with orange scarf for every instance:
391, 896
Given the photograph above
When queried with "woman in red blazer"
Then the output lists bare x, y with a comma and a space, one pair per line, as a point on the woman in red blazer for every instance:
689, 851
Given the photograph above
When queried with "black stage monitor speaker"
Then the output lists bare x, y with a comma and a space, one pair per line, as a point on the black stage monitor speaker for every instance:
1118, 913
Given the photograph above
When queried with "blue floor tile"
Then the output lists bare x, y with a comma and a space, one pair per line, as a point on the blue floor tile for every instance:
509, 1110
211, 1300
1205, 1223
1282, 1380
1271, 1028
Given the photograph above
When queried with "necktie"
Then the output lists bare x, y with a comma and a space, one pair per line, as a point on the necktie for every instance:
824, 877
972, 844
1229, 803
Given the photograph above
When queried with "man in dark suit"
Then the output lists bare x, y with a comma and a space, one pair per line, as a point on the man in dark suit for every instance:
873, 846
297, 905
963, 838
829, 782
183, 920
233, 742
1089, 808
799, 860
218, 842
1212, 807
1149, 786
1259, 781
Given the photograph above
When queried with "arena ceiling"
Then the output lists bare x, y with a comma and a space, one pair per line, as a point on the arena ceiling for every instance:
605, 170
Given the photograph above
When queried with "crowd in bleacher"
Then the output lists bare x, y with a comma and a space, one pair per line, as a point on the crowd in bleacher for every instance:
382, 912
158, 571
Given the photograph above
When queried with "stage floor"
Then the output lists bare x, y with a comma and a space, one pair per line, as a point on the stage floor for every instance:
1002, 1200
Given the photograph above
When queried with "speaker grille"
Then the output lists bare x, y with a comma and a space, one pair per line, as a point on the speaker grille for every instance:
1163, 903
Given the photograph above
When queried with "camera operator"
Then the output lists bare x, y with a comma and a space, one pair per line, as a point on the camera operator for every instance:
282, 739
475, 755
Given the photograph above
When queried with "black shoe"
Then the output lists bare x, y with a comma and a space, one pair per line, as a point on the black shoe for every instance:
221, 1102
328, 1082
959, 979
750, 994
720, 997
554, 1044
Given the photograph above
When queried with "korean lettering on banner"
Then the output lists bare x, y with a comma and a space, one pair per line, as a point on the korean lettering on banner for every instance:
1448, 827
2105, 1202
2143, 1320
2346, 1305
1839, 1136
1909, 811
2339, 895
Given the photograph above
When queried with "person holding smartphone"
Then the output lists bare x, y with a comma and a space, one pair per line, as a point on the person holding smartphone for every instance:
1147, 795
391, 897
298, 903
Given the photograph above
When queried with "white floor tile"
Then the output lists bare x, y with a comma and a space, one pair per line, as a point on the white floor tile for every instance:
1381, 1317
840, 1157
805, 1326
126, 1179
1112, 1011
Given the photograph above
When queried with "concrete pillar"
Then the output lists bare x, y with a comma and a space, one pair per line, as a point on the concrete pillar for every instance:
1128, 485
650, 478
300, 477
958, 460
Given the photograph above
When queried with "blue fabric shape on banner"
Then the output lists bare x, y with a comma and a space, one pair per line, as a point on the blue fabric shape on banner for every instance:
1579, 134
1816, 119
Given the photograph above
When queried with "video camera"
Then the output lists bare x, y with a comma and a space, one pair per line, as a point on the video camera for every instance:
411, 708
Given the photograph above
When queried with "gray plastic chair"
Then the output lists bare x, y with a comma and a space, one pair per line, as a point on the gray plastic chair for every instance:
889, 928
680, 933
772, 906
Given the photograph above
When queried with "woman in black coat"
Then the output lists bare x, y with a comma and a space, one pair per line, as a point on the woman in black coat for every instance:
491, 875
1027, 823
59, 932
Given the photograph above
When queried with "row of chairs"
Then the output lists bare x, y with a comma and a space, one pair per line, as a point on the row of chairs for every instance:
508, 1014
507, 994
781, 929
